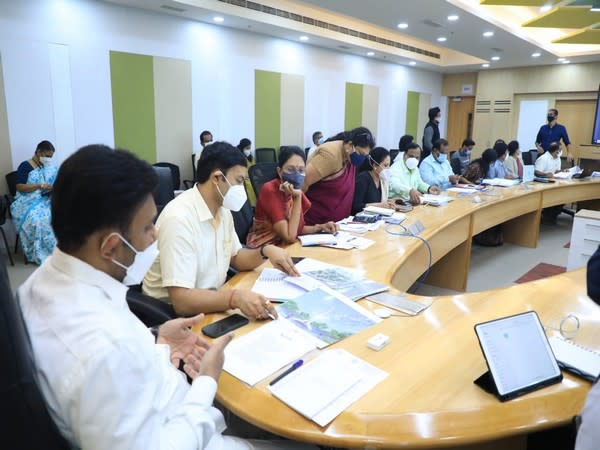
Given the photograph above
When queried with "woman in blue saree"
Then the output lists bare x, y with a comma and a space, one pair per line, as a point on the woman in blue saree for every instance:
31, 209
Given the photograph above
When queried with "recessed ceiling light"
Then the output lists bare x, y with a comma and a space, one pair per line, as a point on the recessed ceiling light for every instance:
495, 58
412, 63
452, 17
561, 59
370, 53
442, 39
595, 9
566, 61
536, 55
546, 8
486, 65
488, 34
304, 38
218, 19
402, 25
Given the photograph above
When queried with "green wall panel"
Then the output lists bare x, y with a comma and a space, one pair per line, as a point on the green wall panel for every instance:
132, 84
412, 113
267, 117
354, 105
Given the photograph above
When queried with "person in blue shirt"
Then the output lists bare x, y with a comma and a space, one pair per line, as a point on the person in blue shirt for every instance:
552, 132
436, 169
498, 169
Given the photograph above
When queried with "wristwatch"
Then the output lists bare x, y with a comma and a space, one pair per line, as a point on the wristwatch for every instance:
262, 251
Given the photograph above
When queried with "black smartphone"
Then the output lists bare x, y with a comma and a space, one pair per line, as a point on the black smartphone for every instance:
224, 326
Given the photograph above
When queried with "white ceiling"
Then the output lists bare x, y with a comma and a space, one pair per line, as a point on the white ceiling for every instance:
464, 35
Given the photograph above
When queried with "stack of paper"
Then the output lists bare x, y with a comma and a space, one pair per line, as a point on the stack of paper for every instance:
325, 387
346, 241
258, 354
380, 211
310, 240
435, 200
568, 174
272, 284
460, 190
501, 182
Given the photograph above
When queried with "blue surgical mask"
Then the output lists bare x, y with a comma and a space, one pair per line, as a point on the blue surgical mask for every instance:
442, 158
357, 159
321, 140
296, 179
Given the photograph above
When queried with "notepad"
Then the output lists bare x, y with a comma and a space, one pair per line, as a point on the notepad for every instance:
272, 284
435, 200
325, 387
572, 356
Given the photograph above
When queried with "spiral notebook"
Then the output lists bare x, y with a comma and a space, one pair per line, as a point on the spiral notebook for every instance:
574, 358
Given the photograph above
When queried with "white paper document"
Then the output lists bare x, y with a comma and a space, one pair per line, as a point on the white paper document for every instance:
325, 387
310, 240
435, 200
260, 353
272, 284
460, 190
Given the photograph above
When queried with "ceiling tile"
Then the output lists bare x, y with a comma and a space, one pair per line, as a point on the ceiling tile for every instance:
566, 17
582, 37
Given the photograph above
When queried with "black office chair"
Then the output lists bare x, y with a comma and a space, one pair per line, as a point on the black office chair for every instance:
149, 310
306, 150
242, 221
194, 166
455, 164
11, 181
174, 173
188, 184
527, 158
264, 155
260, 173
534, 155
26, 423
3, 212
393, 153
163, 193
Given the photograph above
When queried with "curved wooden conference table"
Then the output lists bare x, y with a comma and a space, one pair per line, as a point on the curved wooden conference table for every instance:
429, 399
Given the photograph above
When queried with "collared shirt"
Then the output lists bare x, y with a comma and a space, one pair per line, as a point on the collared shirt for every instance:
547, 164
402, 180
108, 386
497, 170
548, 134
588, 435
195, 247
436, 173
464, 159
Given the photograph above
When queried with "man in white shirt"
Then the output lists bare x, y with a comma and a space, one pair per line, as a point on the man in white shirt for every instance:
549, 162
107, 383
317, 139
198, 243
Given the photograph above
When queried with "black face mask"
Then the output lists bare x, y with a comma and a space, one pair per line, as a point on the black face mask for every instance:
550, 118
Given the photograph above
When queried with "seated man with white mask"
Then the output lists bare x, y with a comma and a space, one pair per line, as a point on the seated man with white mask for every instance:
108, 382
405, 179
198, 243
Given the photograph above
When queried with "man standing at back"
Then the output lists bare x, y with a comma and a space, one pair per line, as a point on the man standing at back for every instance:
432, 132
108, 382
552, 132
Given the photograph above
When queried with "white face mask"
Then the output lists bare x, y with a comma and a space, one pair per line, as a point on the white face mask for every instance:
141, 263
384, 174
235, 197
411, 163
248, 152
45, 160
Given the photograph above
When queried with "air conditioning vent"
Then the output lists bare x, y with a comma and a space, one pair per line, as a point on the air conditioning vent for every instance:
254, 6
431, 23
172, 8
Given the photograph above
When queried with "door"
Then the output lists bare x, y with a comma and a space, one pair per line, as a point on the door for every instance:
578, 117
460, 120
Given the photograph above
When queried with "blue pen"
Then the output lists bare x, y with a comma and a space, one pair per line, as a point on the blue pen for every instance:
294, 366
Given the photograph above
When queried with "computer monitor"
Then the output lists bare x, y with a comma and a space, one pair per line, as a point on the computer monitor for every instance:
596, 133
